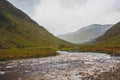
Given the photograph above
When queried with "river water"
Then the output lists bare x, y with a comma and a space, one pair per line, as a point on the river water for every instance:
65, 66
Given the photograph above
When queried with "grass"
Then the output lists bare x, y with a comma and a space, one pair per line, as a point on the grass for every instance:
108, 43
31, 52
18, 33
17, 53
38, 52
17, 29
112, 50
101, 48
108, 50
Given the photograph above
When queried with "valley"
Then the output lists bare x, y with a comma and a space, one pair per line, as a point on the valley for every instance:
28, 51
86, 35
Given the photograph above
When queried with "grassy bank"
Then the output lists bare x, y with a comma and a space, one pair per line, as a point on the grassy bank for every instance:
20, 53
112, 50
34, 52
100, 49
37, 52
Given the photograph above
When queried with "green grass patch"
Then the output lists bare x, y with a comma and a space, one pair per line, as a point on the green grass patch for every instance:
15, 53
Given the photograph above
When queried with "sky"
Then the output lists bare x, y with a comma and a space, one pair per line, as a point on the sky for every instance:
63, 16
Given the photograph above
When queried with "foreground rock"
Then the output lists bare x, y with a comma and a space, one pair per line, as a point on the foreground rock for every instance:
66, 66
113, 74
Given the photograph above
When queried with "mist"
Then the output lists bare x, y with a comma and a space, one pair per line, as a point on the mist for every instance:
63, 16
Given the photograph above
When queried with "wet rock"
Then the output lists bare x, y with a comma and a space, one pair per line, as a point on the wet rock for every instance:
2, 72
66, 66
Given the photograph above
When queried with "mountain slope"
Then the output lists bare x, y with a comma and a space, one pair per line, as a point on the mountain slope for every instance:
87, 34
112, 36
108, 43
19, 30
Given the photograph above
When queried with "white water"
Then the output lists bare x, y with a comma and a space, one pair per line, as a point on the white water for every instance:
65, 66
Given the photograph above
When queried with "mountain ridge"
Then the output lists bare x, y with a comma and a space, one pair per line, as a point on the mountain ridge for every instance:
17, 29
111, 36
86, 34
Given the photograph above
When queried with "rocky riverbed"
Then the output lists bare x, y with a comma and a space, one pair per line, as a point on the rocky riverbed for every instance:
65, 66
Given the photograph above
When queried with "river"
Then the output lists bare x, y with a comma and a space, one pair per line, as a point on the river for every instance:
65, 66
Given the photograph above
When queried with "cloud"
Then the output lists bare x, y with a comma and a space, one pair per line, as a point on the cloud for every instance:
27, 6
62, 16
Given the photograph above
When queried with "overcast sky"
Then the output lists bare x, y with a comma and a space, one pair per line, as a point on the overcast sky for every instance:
63, 16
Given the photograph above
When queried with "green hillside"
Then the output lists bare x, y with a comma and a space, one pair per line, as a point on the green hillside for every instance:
21, 37
111, 37
108, 43
19, 30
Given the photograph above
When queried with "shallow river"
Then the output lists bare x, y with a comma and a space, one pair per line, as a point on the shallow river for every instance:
65, 66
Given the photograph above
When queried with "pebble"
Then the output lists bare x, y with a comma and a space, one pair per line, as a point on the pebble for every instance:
66, 66
2, 72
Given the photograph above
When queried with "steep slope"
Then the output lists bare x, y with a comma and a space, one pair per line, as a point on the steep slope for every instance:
19, 30
87, 34
108, 43
112, 36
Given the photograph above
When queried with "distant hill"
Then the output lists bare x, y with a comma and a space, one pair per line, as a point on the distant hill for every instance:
87, 34
108, 43
17, 29
111, 37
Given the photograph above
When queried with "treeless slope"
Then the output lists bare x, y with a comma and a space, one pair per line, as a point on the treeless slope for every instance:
112, 36
17, 29
87, 34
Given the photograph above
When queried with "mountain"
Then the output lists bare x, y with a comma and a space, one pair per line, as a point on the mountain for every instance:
87, 34
28, 6
17, 29
111, 37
